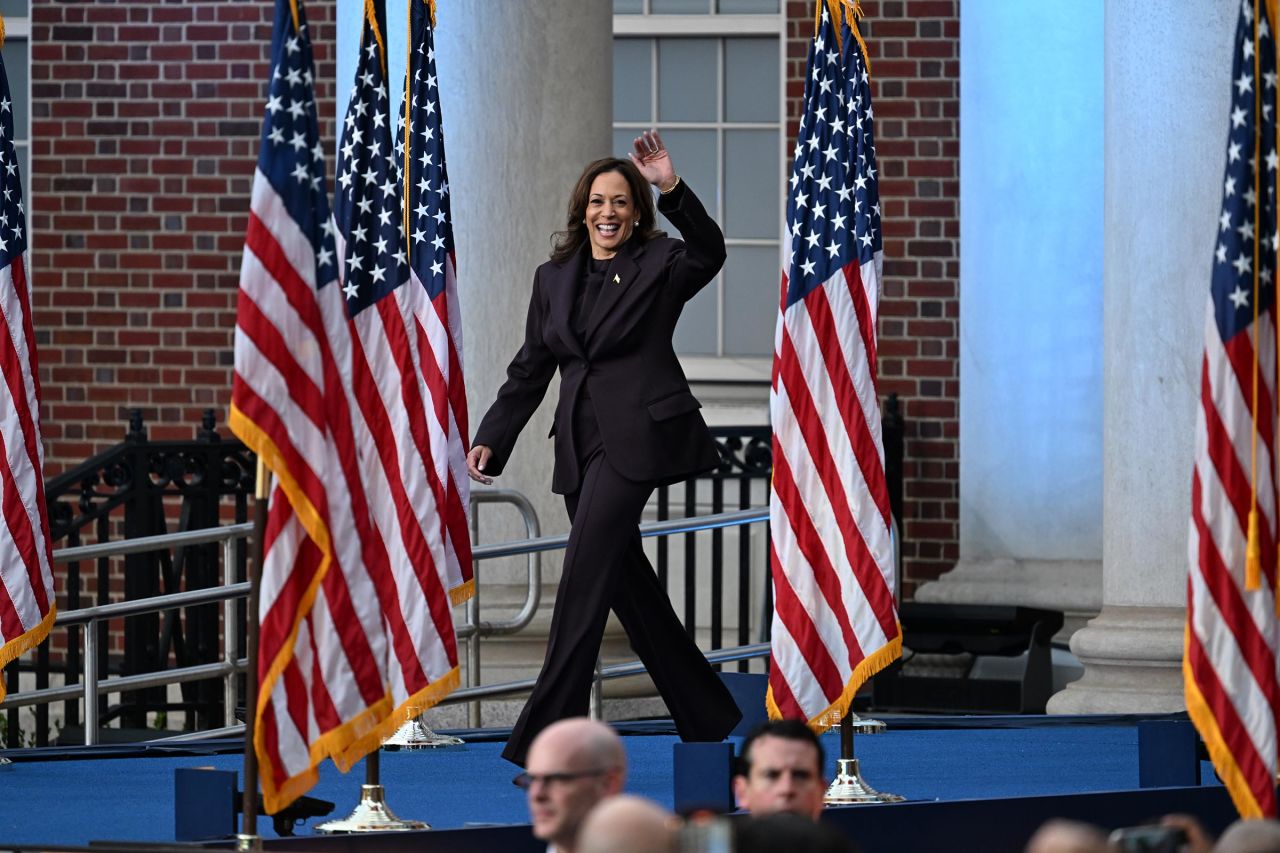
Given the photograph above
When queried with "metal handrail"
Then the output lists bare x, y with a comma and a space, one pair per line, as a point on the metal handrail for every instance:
474, 629
160, 678
92, 686
228, 536
138, 606
143, 544
649, 529
534, 573
607, 673
513, 688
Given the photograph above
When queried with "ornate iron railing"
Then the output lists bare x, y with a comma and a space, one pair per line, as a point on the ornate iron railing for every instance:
148, 488
141, 488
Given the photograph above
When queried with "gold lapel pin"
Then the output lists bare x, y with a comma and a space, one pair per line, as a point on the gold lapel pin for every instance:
617, 279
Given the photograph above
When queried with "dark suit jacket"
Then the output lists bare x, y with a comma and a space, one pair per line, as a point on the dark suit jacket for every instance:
649, 420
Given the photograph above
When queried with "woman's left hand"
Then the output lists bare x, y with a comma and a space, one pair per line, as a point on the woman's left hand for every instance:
653, 161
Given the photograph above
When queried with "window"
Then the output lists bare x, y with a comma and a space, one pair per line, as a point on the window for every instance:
707, 74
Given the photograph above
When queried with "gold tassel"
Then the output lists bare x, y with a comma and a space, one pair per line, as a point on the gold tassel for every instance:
1, 30
835, 9
840, 10
371, 16
1253, 554
866, 57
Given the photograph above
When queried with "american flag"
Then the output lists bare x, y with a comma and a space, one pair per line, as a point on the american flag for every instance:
835, 622
323, 645
431, 263
1229, 664
27, 604
397, 342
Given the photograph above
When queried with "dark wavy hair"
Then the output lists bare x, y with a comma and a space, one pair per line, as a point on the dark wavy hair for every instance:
565, 244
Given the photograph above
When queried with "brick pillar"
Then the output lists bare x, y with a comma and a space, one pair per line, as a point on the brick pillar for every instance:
145, 125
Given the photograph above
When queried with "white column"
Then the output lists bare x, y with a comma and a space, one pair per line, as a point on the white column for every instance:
1030, 308
527, 98
1166, 105
526, 89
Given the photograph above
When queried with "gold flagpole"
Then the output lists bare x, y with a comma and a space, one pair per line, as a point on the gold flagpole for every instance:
248, 838
1271, 7
408, 82
1253, 544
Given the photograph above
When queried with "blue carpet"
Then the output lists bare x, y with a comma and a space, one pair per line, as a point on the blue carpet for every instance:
76, 801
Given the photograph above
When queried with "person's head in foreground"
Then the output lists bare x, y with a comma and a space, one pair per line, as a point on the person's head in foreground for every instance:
1068, 836
627, 824
1173, 832
1250, 836
572, 765
780, 770
789, 833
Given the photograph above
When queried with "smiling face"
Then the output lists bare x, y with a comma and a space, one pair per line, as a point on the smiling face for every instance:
610, 215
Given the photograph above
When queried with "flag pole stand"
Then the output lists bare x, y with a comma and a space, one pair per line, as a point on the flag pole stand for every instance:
248, 838
371, 814
416, 734
849, 788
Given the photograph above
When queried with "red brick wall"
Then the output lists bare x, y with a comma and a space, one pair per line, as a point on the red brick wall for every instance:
145, 129
145, 125
914, 48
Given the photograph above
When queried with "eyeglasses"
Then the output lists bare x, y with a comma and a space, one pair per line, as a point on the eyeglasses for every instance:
525, 781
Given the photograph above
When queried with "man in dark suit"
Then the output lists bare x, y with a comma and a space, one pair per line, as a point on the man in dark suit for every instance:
603, 310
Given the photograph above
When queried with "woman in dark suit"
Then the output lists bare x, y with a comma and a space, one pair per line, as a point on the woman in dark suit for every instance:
603, 310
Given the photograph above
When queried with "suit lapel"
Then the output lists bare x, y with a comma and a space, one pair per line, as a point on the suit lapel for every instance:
564, 289
623, 271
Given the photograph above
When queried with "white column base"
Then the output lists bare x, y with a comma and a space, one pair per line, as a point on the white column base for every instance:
1072, 586
1132, 660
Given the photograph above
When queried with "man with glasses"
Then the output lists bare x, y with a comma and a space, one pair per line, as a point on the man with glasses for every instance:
572, 765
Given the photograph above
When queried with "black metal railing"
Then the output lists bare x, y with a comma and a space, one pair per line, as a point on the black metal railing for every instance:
140, 488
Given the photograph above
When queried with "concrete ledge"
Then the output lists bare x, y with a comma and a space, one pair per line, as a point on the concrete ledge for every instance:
1072, 586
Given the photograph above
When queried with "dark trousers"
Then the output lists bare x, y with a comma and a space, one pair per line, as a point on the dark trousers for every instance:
605, 567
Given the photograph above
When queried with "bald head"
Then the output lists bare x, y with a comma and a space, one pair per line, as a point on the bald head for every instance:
627, 824
589, 743
1067, 836
1250, 836
572, 765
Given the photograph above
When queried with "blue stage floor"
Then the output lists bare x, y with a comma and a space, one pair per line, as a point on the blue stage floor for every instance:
75, 801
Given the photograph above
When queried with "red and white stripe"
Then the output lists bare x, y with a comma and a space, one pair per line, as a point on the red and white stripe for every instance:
1229, 667
290, 406
439, 339
26, 559
835, 621
398, 433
